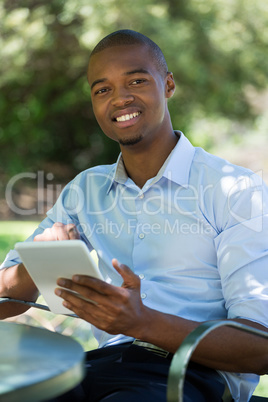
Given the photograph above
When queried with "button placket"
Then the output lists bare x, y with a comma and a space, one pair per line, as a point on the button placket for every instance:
139, 206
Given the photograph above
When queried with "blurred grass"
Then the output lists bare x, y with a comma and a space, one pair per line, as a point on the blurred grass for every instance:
14, 231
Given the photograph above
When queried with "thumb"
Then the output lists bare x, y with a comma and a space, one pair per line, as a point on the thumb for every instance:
130, 280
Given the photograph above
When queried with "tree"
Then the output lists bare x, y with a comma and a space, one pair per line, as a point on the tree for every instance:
216, 51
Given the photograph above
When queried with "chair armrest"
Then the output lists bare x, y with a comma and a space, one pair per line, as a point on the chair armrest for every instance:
181, 358
30, 304
26, 303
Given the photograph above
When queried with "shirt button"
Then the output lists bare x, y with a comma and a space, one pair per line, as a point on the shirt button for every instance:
141, 276
143, 295
141, 196
141, 235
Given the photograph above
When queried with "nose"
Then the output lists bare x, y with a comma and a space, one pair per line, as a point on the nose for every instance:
122, 97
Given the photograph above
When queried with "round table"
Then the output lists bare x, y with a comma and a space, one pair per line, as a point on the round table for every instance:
37, 364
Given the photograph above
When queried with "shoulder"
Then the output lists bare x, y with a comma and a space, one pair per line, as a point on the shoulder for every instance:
228, 194
215, 170
97, 174
223, 186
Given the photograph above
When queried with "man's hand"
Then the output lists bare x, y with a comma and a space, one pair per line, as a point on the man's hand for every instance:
111, 308
119, 310
59, 231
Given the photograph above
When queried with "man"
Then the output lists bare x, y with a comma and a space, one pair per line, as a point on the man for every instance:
180, 236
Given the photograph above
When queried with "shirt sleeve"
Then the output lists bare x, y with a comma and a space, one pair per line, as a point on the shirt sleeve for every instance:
242, 250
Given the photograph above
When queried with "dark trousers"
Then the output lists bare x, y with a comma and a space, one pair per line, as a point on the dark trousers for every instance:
130, 373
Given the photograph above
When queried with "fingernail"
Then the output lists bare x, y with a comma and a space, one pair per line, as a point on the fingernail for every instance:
73, 233
61, 282
76, 278
58, 292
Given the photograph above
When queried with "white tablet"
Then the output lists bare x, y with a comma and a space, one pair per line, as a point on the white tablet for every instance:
46, 261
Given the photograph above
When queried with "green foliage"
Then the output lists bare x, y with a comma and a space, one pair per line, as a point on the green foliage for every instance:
216, 50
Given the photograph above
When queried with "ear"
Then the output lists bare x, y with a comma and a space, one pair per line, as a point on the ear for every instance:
170, 85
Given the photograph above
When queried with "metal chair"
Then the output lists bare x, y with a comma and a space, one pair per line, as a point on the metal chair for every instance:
183, 355
25, 303
29, 304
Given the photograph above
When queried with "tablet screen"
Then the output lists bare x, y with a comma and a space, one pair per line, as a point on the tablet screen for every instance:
46, 261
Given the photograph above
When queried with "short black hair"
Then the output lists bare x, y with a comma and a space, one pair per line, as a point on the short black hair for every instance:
129, 37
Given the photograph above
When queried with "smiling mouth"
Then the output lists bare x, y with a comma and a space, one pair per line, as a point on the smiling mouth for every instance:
127, 117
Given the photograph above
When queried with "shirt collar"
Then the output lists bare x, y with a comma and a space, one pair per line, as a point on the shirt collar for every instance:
118, 173
176, 167
179, 162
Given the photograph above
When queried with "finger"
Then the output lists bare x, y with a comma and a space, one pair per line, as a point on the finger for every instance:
59, 231
58, 224
65, 232
93, 311
131, 280
85, 309
75, 301
103, 315
87, 290
47, 235
38, 237
72, 296
72, 231
96, 284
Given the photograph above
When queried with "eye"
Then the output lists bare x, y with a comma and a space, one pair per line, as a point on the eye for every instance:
138, 81
101, 91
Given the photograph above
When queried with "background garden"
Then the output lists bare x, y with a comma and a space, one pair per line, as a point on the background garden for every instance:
217, 51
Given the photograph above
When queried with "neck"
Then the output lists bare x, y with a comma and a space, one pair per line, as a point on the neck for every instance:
143, 163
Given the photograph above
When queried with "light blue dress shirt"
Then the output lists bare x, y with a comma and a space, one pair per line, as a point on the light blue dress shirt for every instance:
196, 234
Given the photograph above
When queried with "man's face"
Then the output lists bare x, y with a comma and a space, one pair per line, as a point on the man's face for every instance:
129, 94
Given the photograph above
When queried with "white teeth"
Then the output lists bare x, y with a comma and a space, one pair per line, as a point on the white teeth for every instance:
126, 117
